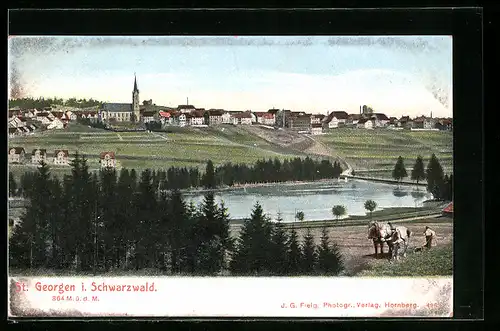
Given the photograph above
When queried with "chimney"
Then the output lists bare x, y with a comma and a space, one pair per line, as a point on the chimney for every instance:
360, 109
187, 101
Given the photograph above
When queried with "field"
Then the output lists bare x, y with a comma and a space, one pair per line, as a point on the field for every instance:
371, 153
190, 147
358, 251
374, 153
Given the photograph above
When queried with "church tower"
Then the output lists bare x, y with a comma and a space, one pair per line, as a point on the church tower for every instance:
135, 101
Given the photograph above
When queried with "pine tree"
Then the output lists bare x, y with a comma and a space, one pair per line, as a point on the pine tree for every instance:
208, 179
254, 244
28, 244
12, 185
399, 171
435, 177
111, 233
294, 253
279, 250
309, 253
330, 260
418, 171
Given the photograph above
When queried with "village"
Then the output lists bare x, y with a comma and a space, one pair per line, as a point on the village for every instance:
149, 116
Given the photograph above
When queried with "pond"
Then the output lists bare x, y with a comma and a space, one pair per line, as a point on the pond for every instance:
316, 199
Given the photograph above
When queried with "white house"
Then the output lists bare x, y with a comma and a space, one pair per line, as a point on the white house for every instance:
107, 160
61, 157
365, 124
268, 119
182, 119
148, 116
56, 124
316, 128
227, 118
380, 120
244, 118
335, 118
215, 116
16, 155
71, 115
197, 118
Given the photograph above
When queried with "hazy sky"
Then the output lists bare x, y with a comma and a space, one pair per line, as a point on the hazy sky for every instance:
395, 75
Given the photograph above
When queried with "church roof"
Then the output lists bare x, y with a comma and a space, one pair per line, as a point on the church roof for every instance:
117, 107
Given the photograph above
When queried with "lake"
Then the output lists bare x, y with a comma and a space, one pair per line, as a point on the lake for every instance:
316, 199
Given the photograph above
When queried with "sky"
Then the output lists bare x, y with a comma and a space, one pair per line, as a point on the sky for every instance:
396, 75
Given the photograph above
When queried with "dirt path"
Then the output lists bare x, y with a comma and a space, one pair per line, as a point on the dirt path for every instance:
321, 149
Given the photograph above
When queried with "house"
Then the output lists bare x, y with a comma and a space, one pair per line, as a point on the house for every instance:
107, 160
379, 120
405, 122
227, 118
268, 119
444, 124
148, 116
244, 118
61, 157
166, 117
316, 128
365, 124
258, 116
16, 155
71, 115
56, 124
300, 122
44, 119
186, 109
29, 113
215, 116
182, 119
317, 118
335, 119
197, 118
353, 119
38, 155
16, 122
448, 210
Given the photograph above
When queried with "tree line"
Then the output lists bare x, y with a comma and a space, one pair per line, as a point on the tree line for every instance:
439, 184
228, 174
99, 222
31, 103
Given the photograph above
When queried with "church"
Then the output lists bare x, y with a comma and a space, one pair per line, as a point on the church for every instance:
123, 112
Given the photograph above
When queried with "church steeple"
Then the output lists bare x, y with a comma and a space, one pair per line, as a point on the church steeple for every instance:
135, 101
135, 84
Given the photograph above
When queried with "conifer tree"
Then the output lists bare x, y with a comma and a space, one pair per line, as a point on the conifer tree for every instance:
435, 177
279, 250
399, 171
252, 254
418, 171
294, 253
330, 260
12, 185
309, 253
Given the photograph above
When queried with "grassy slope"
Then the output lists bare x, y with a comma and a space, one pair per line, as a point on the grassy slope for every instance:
377, 150
180, 147
435, 262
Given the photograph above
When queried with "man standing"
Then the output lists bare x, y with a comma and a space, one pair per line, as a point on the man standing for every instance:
429, 236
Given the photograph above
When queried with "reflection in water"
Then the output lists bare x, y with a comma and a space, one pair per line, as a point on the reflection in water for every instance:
315, 199
398, 192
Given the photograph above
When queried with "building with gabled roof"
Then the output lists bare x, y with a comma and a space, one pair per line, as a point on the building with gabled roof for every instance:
16, 154
107, 160
61, 157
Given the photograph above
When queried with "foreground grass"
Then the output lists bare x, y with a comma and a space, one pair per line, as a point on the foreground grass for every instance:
437, 261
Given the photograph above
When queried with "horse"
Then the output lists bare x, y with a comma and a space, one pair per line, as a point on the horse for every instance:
401, 236
375, 232
382, 233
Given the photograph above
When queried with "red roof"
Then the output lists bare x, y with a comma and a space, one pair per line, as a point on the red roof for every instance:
103, 154
449, 208
165, 114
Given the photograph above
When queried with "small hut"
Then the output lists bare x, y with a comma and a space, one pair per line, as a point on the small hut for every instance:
448, 210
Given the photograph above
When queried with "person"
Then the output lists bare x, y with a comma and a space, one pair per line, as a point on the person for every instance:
429, 236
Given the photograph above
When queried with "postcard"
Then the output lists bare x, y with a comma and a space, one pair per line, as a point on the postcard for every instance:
230, 176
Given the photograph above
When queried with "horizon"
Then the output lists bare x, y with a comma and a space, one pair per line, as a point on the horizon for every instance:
398, 76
